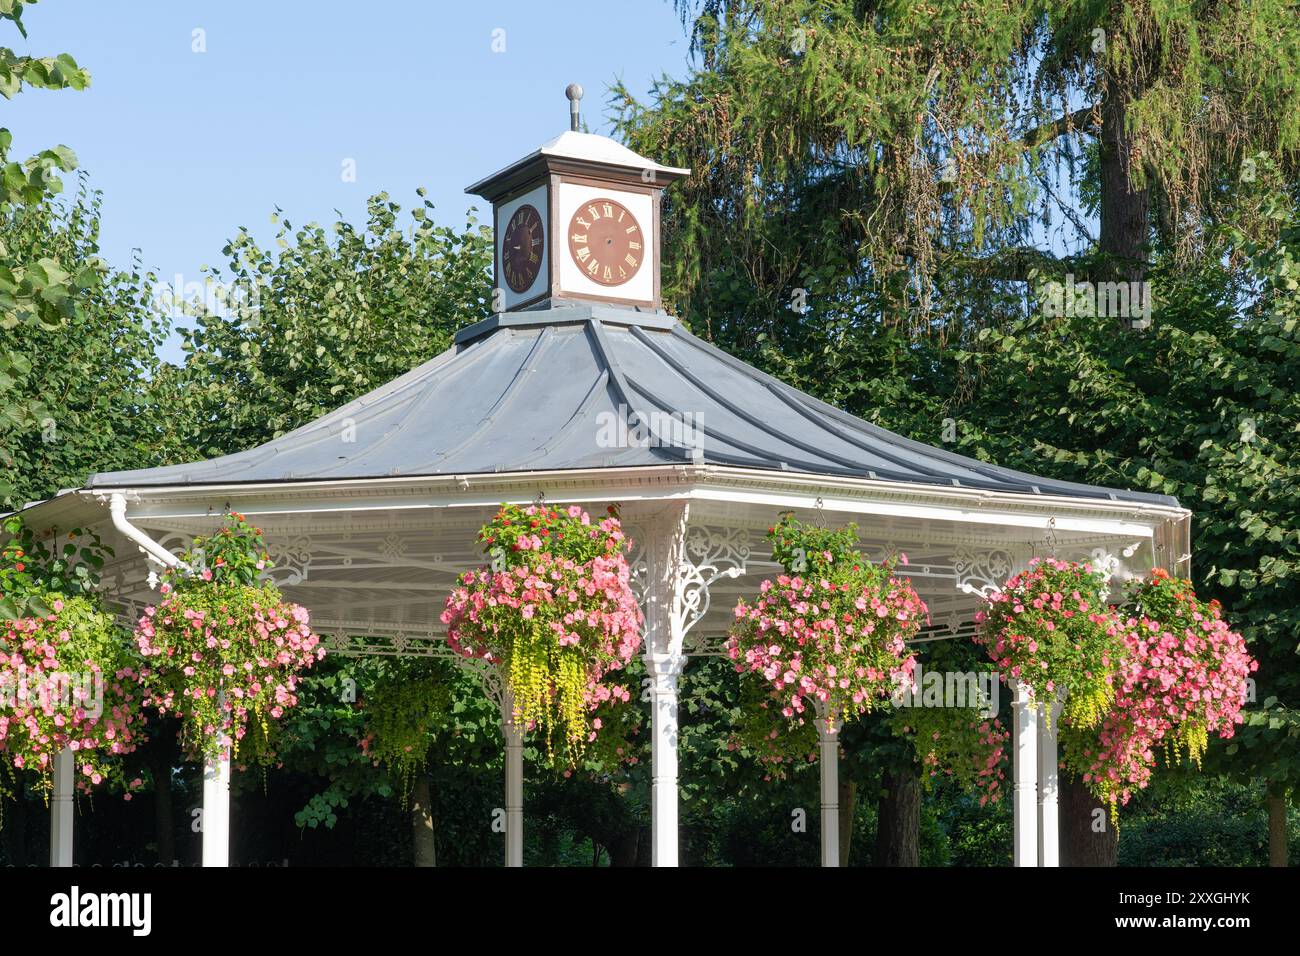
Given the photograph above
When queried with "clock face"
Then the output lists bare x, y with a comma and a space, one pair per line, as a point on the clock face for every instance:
522, 246
606, 242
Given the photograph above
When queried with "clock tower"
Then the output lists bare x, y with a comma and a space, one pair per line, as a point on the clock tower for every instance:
577, 219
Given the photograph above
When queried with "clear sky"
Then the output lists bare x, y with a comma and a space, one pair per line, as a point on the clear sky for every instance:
188, 146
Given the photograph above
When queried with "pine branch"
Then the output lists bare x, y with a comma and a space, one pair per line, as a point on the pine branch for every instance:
1084, 120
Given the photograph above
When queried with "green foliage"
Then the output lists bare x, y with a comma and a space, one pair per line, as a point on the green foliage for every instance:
1200, 822
813, 550
405, 703
899, 157
79, 374
324, 316
34, 565
338, 701
236, 555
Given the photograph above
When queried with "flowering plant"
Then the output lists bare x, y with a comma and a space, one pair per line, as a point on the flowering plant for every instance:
1050, 629
1183, 676
68, 680
222, 652
957, 744
555, 611
761, 733
833, 628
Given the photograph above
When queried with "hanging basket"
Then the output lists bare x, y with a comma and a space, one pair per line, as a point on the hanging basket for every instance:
1183, 677
556, 613
831, 631
67, 680
1050, 629
224, 652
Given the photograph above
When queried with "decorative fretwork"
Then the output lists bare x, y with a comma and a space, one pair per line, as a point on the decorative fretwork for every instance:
705, 644
982, 572
489, 677
359, 641
392, 547
710, 553
293, 558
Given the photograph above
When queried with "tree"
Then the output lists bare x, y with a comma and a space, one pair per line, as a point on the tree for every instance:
287, 336
1202, 406
883, 181
87, 379
62, 311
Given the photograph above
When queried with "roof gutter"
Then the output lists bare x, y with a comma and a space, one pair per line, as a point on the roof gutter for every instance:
117, 509
684, 472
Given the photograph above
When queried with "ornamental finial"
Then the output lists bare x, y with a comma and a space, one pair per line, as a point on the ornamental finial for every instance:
574, 92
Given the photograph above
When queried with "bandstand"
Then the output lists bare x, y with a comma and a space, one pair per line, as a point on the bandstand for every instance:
582, 390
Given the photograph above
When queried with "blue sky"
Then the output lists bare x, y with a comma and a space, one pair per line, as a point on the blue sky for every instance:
189, 146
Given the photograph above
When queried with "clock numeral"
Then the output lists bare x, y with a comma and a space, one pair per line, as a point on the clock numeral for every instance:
609, 210
580, 237
634, 245
593, 265
631, 229
630, 260
608, 273
582, 254
582, 222
595, 213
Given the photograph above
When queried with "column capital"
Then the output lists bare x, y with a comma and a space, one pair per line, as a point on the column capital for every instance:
664, 667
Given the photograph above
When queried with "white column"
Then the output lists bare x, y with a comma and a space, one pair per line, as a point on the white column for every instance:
216, 803
664, 546
829, 759
1025, 768
1049, 840
514, 735
664, 671
61, 807
216, 810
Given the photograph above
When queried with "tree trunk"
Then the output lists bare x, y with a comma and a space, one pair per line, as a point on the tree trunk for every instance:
623, 849
644, 846
898, 823
422, 823
1277, 842
163, 823
1125, 211
848, 804
1081, 817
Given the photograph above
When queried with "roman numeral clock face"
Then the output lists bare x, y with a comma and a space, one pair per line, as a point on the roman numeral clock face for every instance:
606, 242
522, 246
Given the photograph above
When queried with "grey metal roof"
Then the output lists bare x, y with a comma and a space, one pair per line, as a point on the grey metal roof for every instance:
530, 391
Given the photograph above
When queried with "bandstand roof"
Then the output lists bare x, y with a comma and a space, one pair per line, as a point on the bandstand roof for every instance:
532, 391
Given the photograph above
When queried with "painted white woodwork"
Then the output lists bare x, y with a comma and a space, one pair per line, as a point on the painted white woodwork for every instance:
1024, 743
61, 808
216, 810
1049, 836
514, 735
829, 761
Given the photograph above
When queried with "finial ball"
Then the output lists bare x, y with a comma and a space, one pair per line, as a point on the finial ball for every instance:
573, 91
